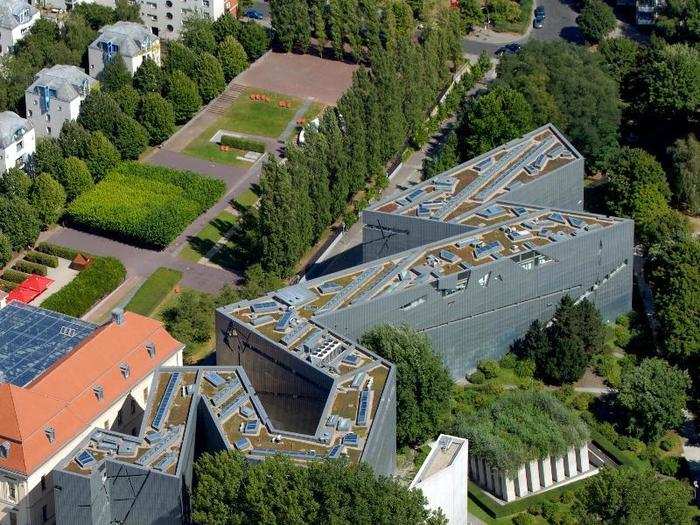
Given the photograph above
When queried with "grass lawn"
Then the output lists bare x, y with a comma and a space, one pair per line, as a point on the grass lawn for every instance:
202, 148
198, 246
259, 118
153, 291
314, 110
246, 199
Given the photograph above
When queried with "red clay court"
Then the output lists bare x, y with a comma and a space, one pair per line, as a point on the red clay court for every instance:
301, 76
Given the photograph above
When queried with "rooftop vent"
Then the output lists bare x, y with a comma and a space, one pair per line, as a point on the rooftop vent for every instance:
50, 434
99, 392
4, 449
125, 369
118, 316
151, 349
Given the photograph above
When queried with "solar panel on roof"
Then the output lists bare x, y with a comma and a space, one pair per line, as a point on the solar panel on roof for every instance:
246, 411
242, 443
251, 427
414, 195
351, 439
329, 287
229, 410
215, 379
126, 448
166, 400
358, 379
33, 339
166, 462
351, 359
449, 256
491, 211
296, 333
363, 409
295, 295
169, 437
284, 321
482, 250
576, 222
264, 307
556, 217
85, 459
222, 395
335, 452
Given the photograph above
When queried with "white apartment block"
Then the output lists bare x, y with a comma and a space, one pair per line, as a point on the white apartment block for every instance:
17, 141
16, 18
534, 477
165, 17
131, 41
443, 478
55, 97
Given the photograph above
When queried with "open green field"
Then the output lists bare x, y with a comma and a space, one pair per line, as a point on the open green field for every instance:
257, 117
153, 291
202, 148
198, 246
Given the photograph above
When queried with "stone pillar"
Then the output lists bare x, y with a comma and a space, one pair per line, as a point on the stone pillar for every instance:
497, 482
482, 471
472, 469
545, 469
489, 477
507, 487
558, 469
570, 463
521, 483
532, 472
582, 458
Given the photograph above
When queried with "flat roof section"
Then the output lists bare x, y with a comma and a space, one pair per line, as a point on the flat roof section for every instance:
32, 339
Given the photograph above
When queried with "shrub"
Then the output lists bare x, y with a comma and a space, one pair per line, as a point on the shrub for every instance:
525, 368
146, 205
508, 361
668, 466
477, 377
55, 249
153, 291
30, 267
596, 21
524, 519
42, 258
14, 276
669, 442
243, 143
631, 444
89, 286
5, 250
7, 286
489, 368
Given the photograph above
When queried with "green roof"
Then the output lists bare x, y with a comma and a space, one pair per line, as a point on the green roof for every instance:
521, 426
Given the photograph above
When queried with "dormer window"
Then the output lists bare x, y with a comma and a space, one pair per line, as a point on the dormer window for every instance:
151, 349
4, 449
99, 392
50, 434
125, 369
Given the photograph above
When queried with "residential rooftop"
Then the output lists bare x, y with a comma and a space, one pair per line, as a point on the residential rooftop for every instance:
452, 195
126, 38
63, 82
14, 13
12, 128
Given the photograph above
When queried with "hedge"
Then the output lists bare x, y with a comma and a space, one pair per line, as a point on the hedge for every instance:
14, 276
7, 286
55, 249
243, 143
30, 267
42, 258
92, 284
621, 457
144, 205
153, 291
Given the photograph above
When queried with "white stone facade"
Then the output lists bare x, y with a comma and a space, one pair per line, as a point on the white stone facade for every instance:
535, 476
165, 17
131, 41
17, 141
16, 18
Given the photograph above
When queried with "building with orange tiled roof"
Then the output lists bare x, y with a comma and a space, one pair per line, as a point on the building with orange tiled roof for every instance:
60, 378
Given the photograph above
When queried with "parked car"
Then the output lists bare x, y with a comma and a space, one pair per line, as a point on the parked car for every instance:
538, 23
254, 14
509, 49
540, 13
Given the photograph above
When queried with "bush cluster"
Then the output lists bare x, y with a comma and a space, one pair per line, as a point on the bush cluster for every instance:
42, 258
14, 276
88, 287
145, 205
7, 286
54, 249
243, 143
30, 267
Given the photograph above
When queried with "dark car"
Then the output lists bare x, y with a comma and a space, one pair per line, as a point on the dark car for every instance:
509, 49
539, 12
538, 23
252, 13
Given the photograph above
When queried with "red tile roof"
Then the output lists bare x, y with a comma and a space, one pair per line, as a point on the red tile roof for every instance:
63, 398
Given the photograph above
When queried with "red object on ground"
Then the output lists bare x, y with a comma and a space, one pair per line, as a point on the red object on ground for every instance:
31, 288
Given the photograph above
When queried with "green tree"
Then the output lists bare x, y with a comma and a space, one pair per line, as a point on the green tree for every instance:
649, 209
115, 75
48, 157
319, 23
75, 178
596, 21
471, 14
72, 140
198, 34
15, 183
492, 119
685, 173
680, 21
669, 82
5, 250
128, 99
232, 57
183, 94
97, 16
148, 77
627, 495
628, 170
210, 77
567, 358
19, 221
423, 384
157, 117
534, 344
99, 111
127, 11
181, 58
226, 25
189, 319
254, 38
48, 198
129, 137
283, 17
620, 57
100, 155
78, 34
654, 395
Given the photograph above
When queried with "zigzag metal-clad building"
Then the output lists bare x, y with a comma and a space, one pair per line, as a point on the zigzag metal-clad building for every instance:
470, 258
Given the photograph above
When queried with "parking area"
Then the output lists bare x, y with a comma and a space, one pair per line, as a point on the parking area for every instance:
300, 76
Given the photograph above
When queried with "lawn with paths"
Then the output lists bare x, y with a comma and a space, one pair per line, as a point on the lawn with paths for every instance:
199, 245
153, 291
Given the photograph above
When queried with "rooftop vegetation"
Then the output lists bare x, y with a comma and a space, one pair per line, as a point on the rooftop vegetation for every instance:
521, 426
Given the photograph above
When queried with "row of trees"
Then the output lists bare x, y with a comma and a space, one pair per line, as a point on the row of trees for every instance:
386, 105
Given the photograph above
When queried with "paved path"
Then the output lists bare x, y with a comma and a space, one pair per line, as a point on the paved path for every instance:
292, 124
691, 449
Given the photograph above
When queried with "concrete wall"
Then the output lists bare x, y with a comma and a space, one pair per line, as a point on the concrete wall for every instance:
17, 153
380, 449
58, 114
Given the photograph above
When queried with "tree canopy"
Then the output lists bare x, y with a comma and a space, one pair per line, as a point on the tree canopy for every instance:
423, 384
596, 21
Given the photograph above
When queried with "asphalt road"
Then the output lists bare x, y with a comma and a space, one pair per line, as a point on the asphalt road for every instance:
560, 23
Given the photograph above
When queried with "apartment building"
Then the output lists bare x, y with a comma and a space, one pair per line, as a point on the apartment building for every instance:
55, 96
16, 18
60, 378
131, 41
17, 141
165, 17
